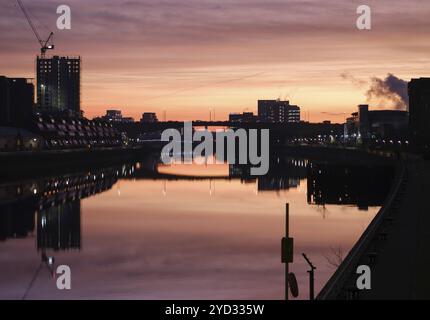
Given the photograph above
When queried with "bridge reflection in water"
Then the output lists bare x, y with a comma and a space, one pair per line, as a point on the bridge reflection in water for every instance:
49, 209
54, 203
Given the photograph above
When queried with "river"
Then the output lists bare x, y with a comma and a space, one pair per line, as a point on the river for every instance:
186, 232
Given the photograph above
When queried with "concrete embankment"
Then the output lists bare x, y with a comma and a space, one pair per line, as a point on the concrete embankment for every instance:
15, 164
400, 270
396, 245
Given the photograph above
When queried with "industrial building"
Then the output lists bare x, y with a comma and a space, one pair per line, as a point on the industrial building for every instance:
365, 124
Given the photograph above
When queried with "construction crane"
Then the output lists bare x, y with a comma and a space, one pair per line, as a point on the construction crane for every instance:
44, 44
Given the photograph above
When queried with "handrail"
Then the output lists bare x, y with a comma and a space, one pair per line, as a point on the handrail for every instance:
337, 281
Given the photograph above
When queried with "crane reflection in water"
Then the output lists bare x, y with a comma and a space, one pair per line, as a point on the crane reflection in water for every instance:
49, 209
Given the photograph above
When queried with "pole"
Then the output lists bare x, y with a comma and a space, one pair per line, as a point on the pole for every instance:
311, 278
287, 254
287, 227
311, 284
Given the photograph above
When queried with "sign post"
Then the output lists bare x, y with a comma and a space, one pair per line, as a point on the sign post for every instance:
287, 254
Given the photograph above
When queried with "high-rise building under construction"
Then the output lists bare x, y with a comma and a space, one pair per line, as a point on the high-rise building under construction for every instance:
59, 84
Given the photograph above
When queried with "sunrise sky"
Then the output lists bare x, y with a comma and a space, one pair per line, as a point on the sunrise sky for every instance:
192, 56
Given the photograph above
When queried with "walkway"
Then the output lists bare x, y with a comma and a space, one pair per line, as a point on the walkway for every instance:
396, 246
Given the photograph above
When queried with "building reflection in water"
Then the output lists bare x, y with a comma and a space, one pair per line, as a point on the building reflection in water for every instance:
284, 173
348, 185
55, 205
50, 208
59, 227
17, 219
327, 183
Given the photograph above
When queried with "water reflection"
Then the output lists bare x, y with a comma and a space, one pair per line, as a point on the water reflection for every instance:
55, 201
348, 185
59, 227
160, 236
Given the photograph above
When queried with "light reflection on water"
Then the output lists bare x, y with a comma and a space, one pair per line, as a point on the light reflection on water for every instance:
190, 239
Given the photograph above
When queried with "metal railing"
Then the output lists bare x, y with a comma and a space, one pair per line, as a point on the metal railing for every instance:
336, 284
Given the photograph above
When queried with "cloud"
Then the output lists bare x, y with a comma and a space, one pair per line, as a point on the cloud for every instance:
165, 45
355, 81
391, 90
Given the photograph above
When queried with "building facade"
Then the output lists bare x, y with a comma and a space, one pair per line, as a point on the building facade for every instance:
366, 124
16, 101
115, 116
65, 132
244, 117
278, 111
18, 139
59, 84
149, 117
419, 110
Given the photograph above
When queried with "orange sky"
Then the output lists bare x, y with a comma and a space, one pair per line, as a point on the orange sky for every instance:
192, 56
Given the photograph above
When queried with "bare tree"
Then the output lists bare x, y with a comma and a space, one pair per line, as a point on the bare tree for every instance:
334, 257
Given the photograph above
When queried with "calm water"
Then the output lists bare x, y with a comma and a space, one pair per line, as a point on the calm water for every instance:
178, 234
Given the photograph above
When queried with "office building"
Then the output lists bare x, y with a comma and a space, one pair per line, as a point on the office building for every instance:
149, 117
115, 116
419, 110
278, 111
59, 84
16, 101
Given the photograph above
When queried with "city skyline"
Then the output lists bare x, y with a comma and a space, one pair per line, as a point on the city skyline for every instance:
156, 56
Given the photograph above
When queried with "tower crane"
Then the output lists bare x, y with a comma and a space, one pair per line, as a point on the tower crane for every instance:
44, 44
